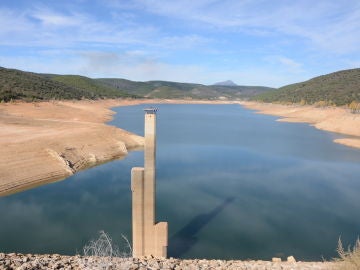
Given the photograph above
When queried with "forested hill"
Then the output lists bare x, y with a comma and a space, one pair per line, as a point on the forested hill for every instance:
28, 86
165, 89
338, 88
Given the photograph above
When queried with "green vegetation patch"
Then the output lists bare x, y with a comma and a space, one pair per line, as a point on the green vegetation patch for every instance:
134, 88
16, 84
28, 86
339, 88
94, 88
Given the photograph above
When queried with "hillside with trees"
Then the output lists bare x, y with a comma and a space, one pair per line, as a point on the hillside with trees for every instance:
16, 84
28, 86
165, 89
96, 88
338, 88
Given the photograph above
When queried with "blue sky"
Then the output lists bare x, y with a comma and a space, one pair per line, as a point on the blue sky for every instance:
271, 43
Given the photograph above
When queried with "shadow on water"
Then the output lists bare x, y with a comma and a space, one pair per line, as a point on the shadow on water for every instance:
186, 237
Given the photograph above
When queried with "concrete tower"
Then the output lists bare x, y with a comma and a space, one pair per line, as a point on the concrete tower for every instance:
149, 237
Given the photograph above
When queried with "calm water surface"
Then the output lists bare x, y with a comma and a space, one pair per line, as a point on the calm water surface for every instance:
231, 184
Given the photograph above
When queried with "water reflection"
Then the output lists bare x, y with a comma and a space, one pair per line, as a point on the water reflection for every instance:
184, 239
296, 191
63, 216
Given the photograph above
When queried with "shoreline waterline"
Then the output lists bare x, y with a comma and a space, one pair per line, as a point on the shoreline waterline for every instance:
45, 142
332, 119
238, 160
51, 133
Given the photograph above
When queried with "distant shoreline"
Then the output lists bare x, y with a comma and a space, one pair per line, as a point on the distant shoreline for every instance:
44, 142
48, 141
333, 119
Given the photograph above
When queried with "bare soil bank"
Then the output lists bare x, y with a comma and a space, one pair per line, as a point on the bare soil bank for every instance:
333, 119
48, 141
44, 142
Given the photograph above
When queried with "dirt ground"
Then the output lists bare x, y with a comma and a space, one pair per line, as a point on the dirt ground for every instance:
49, 141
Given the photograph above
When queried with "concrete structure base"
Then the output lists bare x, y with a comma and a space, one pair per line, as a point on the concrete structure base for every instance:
149, 237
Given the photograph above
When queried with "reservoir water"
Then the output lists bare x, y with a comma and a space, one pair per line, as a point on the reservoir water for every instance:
231, 183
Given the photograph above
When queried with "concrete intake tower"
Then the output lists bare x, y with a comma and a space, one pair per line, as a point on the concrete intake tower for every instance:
149, 237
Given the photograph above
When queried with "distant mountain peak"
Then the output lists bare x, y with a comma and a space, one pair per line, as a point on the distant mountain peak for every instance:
226, 83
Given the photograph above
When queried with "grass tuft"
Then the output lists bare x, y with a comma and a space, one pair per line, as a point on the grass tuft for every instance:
100, 252
350, 258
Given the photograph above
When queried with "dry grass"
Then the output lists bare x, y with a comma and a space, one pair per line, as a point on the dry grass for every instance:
350, 258
100, 252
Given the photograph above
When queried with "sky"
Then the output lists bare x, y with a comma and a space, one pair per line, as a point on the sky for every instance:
252, 42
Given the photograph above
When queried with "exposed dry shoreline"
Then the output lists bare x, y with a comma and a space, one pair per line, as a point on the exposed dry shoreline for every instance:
334, 119
49, 141
45, 142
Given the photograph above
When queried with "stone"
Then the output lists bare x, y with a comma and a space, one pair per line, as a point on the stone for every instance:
275, 259
291, 259
75, 263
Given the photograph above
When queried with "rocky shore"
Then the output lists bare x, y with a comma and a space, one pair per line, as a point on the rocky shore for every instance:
55, 261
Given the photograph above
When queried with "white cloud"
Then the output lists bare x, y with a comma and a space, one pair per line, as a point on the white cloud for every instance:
289, 62
329, 25
138, 66
141, 67
140, 39
285, 63
12, 23
45, 27
183, 42
60, 64
133, 65
51, 18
